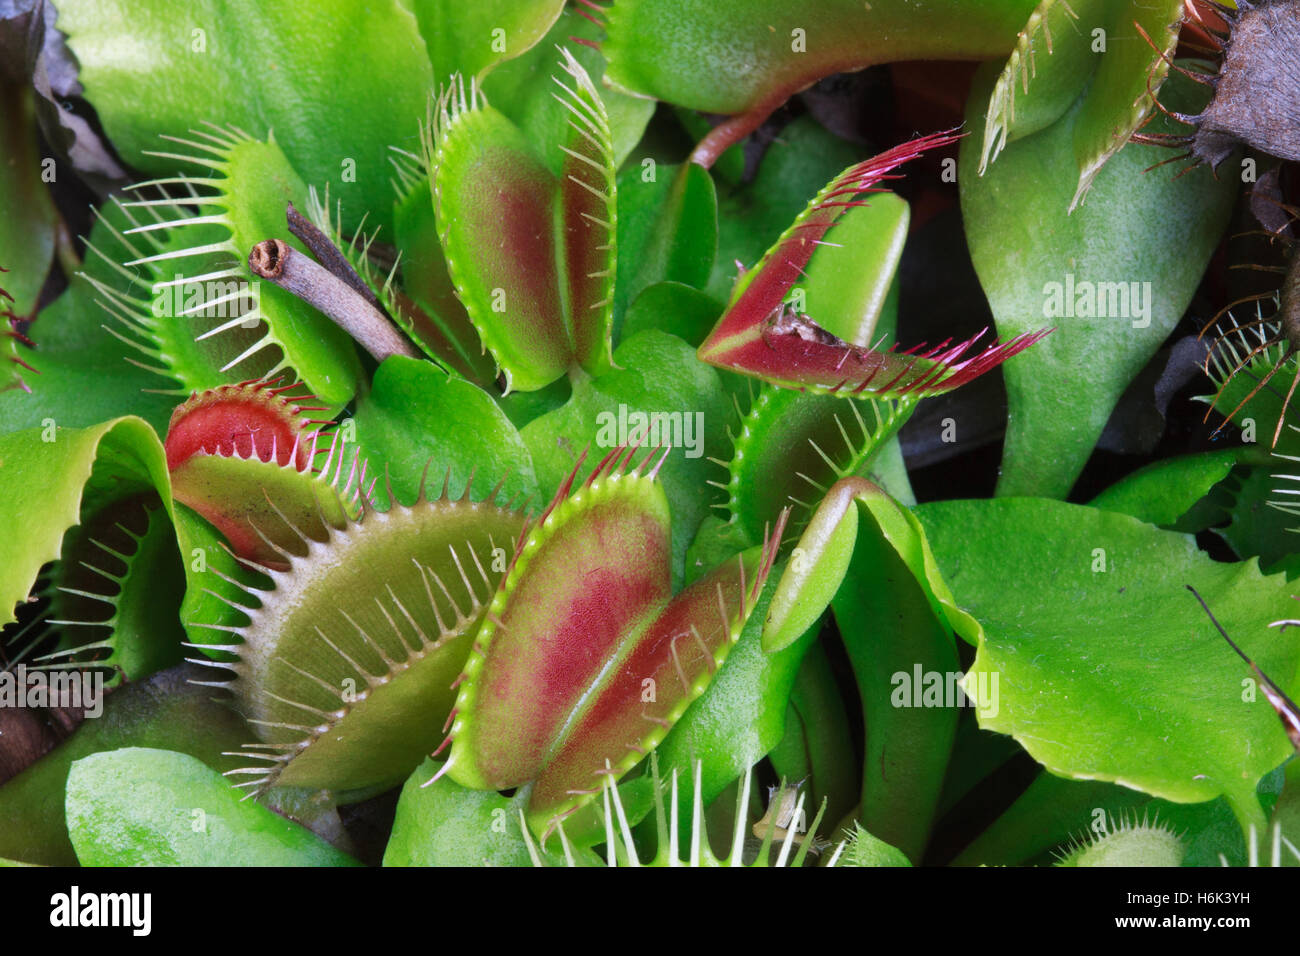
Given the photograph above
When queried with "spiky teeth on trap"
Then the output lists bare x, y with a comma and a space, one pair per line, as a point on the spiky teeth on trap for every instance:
346, 664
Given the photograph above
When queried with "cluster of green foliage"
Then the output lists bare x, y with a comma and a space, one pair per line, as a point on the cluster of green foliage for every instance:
609, 525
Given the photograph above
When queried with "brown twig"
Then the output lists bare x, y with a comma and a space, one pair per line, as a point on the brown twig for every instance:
327, 254
277, 261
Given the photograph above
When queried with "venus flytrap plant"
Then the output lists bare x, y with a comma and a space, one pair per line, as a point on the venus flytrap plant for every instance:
568, 625
118, 586
1255, 102
531, 253
246, 458
614, 662
223, 327
761, 335
1126, 842
792, 845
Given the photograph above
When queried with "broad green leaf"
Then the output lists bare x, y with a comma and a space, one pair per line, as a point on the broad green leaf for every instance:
1169, 719
471, 40
143, 807
445, 824
674, 308
896, 620
658, 386
338, 82
817, 745
1164, 491
669, 49
46, 471
667, 230
76, 348
415, 415
1112, 278
164, 711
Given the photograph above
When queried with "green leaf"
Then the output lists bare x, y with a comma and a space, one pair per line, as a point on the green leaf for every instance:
1135, 251
143, 807
337, 82
669, 49
667, 230
27, 236
417, 415
1169, 720
76, 348
817, 745
523, 90
164, 711
445, 824
896, 619
673, 308
1164, 491
656, 374
46, 471
471, 40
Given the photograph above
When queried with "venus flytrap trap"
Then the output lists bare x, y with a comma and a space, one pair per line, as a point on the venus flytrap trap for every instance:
761, 335
612, 667
792, 841
1254, 44
246, 457
531, 253
226, 329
